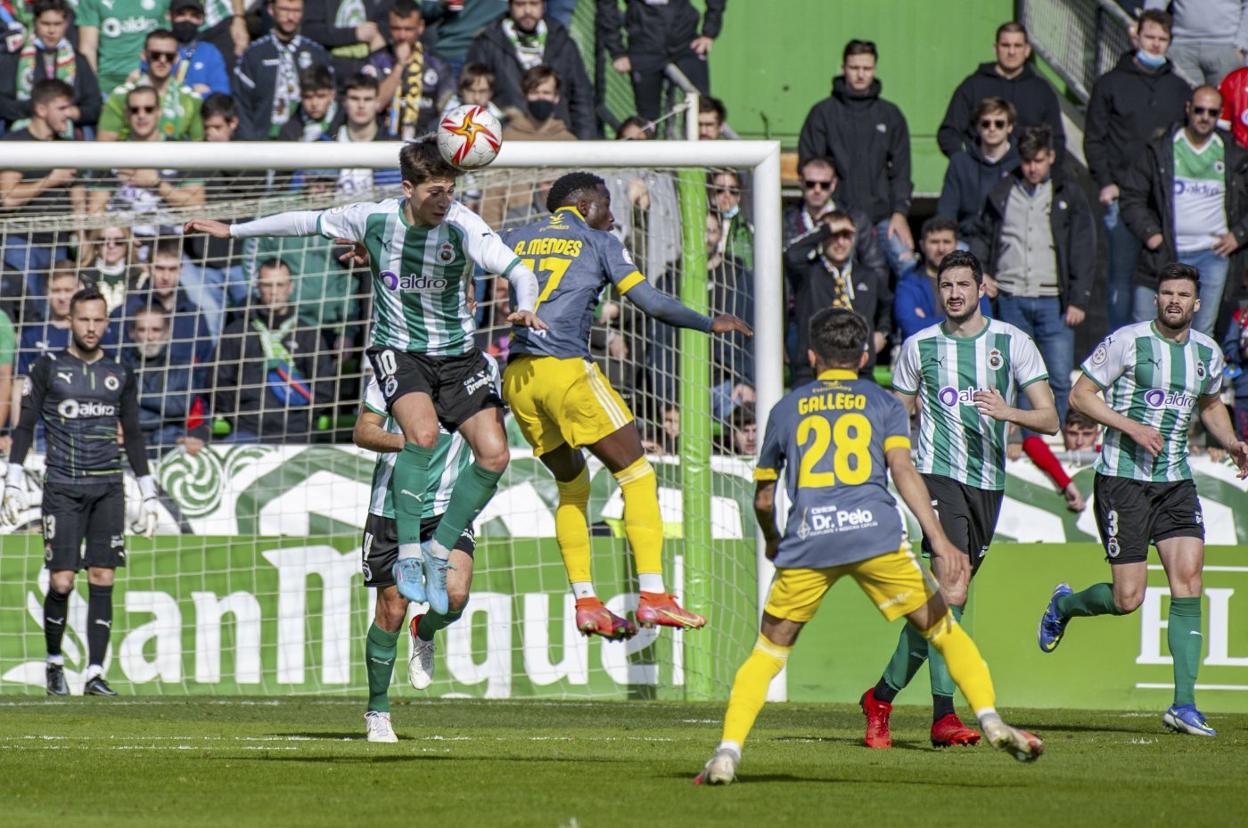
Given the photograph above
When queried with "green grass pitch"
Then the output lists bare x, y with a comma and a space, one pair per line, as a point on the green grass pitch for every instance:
303, 761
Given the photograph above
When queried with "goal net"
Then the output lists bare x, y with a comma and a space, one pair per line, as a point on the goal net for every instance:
250, 363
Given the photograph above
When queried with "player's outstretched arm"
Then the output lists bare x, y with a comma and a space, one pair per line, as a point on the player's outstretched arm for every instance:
656, 303
1218, 423
1086, 399
290, 223
952, 566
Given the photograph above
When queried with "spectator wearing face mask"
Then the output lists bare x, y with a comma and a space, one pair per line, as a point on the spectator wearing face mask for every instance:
200, 64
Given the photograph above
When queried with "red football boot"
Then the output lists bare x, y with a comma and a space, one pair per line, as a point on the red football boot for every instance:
948, 731
877, 713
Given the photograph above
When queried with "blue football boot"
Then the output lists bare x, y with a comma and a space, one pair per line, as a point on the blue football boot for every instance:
1052, 624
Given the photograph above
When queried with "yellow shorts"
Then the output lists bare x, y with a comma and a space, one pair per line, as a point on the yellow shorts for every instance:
895, 583
557, 400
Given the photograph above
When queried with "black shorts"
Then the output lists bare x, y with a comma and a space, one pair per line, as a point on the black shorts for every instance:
460, 386
1130, 514
381, 547
967, 514
95, 513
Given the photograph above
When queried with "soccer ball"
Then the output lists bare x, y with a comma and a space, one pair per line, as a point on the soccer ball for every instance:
469, 137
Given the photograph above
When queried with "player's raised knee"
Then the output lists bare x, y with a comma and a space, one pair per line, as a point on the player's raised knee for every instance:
1128, 600
493, 458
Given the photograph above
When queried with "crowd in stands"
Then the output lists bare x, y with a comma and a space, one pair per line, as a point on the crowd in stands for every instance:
263, 341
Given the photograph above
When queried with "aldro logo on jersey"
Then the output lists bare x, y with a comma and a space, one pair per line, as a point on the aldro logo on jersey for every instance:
950, 396
1159, 398
72, 409
420, 281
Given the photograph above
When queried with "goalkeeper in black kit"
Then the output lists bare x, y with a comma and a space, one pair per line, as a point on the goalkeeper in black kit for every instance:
81, 396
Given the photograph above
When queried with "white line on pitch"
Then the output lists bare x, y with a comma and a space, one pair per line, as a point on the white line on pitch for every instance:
1143, 685
1160, 568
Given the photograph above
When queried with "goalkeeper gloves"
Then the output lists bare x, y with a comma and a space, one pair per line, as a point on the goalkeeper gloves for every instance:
149, 512
15, 500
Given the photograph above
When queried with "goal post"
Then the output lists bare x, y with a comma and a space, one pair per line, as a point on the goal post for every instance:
705, 669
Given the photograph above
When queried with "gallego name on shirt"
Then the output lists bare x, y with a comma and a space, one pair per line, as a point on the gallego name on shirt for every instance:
834, 401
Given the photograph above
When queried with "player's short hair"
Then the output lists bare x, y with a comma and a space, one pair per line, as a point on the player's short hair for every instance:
1012, 27
420, 161
859, 47
708, 104
1157, 17
838, 336
961, 258
938, 224
86, 294
158, 34
362, 81
1034, 140
315, 79
48, 90
1175, 272
567, 189
405, 9
42, 6
538, 75
219, 104
989, 106
1079, 420
170, 246
473, 72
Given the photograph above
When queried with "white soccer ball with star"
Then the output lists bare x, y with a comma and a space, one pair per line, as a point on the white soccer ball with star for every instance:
469, 137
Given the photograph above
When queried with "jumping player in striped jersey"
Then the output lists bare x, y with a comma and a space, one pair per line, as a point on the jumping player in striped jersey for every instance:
837, 441
376, 430
1154, 376
562, 402
964, 374
421, 250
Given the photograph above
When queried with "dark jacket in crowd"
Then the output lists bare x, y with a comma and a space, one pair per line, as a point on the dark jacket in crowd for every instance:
658, 33
171, 404
1129, 105
1074, 235
242, 383
576, 94
969, 179
86, 89
190, 342
318, 24
868, 140
866, 247
814, 289
1235, 350
255, 74
1033, 98
1148, 200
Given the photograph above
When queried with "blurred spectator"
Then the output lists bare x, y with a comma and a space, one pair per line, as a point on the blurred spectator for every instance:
171, 405
347, 29
46, 53
1079, 436
271, 375
266, 79
51, 333
819, 183
1037, 238
109, 264
476, 86
212, 272
833, 279
914, 303
1186, 198
40, 192
737, 237
659, 34
111, 35
1234, 89
1210, 37
745, 431
360, 108
414, 85
665, 438
975, 170
1130, 103
494, 331
1235, 351
525, 39
144, 191
191, 342
635, 128
317, 113
454, 24
1011, 79
646, 208
732, 292
8, 358
201, 66
178, 110
868, 140
711, 116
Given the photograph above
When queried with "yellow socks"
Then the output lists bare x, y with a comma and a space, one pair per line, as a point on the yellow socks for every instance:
749, 689
643, 525
572, 526
966, 665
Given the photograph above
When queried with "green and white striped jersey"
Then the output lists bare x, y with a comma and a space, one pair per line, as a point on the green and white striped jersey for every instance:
451, 456
1158, 382
955, 440
422, 276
